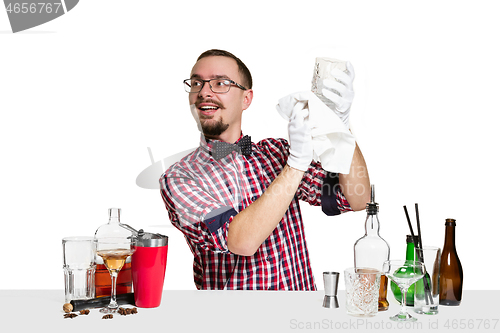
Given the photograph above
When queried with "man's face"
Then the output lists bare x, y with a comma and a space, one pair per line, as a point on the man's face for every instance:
219, 113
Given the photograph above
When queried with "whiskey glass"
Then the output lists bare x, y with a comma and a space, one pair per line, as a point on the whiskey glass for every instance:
362, 287
114, 251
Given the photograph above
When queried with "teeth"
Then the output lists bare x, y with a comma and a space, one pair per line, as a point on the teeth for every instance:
209, 108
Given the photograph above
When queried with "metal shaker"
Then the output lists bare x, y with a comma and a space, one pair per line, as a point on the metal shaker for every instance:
148, 268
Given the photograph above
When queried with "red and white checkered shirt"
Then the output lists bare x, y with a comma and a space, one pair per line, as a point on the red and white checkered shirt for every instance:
203, 195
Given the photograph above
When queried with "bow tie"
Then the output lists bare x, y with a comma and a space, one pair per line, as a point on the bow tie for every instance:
221, 149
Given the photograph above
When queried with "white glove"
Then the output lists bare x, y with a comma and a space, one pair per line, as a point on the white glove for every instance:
343, 85
299, 133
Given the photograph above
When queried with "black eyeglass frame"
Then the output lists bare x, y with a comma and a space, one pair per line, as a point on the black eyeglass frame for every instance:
210, 85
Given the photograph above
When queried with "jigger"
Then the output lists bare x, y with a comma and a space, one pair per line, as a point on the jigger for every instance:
331, 280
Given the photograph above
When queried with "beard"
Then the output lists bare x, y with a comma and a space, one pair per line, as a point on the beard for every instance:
209, 127
213, 129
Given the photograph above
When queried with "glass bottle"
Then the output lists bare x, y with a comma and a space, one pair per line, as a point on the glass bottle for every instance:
410, 255
371, 250
451, 276
102, 277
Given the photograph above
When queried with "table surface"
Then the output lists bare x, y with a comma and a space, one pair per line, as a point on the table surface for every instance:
243, 311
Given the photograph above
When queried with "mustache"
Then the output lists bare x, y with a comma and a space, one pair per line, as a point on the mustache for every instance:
201, 100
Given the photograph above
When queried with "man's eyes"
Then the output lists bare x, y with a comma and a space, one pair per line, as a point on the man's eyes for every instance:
222, 83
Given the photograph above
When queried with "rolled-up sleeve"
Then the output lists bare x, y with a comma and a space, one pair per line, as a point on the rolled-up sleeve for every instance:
333, 201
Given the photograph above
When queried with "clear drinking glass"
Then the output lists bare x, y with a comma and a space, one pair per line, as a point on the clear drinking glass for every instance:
323, 79
362, 289
322, 71
427, 289
79, 268
114, 251
404, 273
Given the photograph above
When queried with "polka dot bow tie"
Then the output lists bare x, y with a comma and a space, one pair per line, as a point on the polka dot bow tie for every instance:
221, 149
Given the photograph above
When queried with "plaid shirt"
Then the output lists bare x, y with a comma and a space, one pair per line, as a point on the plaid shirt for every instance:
203, 195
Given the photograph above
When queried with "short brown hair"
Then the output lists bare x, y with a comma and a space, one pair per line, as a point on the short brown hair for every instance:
242, 68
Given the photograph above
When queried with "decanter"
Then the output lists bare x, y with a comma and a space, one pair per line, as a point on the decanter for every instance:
102, 278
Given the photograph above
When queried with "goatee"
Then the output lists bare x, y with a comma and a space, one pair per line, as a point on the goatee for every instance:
211, 129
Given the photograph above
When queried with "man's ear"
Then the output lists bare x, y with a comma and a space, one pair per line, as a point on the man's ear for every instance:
247, 98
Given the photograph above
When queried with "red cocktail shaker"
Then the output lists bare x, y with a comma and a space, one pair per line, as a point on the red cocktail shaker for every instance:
148, 269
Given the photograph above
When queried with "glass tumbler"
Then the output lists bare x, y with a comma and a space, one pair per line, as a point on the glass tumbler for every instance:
427, 289
79, 268
362, 289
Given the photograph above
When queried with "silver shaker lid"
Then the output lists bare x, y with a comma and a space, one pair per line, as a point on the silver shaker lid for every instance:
148, 239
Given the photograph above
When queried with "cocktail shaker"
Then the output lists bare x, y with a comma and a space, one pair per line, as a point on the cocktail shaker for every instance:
148, 268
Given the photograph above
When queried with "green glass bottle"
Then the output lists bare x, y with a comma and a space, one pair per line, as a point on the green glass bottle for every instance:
410, 255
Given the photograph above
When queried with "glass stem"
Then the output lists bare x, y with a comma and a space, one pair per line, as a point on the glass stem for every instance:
113, 304
403, 299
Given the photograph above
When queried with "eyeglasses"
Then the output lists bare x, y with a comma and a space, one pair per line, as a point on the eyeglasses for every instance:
218, 86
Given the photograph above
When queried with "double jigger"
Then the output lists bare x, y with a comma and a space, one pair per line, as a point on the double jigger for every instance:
331, 281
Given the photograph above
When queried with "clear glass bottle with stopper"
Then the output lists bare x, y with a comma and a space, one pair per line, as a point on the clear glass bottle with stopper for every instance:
371, 250
102, 278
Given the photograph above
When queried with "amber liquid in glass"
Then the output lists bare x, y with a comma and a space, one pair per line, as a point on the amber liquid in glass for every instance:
383, 304
114, 260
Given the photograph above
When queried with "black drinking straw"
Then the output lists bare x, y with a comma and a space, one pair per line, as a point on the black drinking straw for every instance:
427, 288
415, 240
418, 229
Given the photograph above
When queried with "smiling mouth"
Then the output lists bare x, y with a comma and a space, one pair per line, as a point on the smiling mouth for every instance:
207, 108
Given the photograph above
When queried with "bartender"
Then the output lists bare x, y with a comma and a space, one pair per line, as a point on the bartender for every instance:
236, 201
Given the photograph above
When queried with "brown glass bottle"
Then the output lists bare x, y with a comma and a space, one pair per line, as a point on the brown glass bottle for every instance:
451, 276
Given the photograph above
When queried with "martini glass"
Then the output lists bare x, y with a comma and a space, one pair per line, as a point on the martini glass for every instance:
114, 251
404, 273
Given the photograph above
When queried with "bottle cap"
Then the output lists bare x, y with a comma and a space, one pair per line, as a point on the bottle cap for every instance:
409, 238
450, 222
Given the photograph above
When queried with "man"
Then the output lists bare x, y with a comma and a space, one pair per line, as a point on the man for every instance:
239, 212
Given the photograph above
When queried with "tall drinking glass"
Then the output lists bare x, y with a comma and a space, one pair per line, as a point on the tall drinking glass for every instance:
404, 273
79, 268
114, 251
427, 289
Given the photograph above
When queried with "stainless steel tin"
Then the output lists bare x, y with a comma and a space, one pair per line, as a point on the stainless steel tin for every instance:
148, 239
331, 280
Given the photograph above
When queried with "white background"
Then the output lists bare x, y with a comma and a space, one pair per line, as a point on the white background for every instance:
83, 96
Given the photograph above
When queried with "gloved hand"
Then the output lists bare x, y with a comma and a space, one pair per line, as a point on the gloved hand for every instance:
299, 133
343, 85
